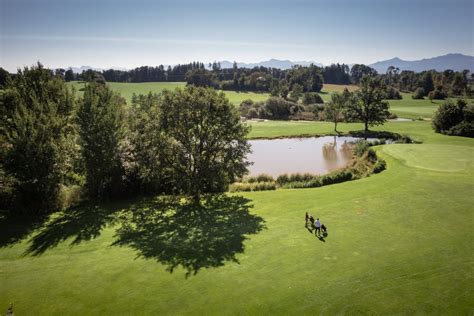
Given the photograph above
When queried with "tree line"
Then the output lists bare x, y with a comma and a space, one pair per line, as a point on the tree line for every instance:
366, 105
278, 82
184, 142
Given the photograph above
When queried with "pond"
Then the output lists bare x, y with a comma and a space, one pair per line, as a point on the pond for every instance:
315, 155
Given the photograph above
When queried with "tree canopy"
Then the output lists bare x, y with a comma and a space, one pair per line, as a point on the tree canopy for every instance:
36, 136
208, 142
368, 104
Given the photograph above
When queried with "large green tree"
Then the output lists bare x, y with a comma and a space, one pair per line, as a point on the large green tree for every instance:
100, 117
336, 108
208, 141
4, 75
368, 103
36, 136
147, 159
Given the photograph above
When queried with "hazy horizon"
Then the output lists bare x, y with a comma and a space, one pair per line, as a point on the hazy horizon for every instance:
126, 34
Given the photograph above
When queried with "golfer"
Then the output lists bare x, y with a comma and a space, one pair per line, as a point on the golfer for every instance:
317, 225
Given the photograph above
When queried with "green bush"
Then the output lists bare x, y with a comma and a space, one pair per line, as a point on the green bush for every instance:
361, 147
313, 183
380, 166
254, 186
437, 95
282, 179
392, 94
265, 178
418, 94
454, 118
336, 177
259, 178
312, 98
462, 129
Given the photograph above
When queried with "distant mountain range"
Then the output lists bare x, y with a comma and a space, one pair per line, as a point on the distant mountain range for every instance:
456, 62
82, 68
273, 63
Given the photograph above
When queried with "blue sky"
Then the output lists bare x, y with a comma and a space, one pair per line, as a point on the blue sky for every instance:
117, 33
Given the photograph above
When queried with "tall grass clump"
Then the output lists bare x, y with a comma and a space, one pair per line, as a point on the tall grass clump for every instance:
259, 178
253, 186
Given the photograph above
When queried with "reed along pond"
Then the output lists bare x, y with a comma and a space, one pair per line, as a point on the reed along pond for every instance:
315, 155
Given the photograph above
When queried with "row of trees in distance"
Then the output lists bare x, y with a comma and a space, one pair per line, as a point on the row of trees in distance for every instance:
278, 82
366, 105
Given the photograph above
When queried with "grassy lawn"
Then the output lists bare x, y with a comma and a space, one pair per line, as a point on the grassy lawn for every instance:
399, 242
127, 89
237, 97
405, 108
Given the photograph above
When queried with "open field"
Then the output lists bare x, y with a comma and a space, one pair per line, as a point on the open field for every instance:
406, 108
399, 242
127, 89
328, 89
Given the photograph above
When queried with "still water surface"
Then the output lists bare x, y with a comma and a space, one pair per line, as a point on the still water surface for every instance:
316, 155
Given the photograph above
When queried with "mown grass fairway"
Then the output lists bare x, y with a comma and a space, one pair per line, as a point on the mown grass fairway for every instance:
126, 89
399, 242
405, 108
328, 89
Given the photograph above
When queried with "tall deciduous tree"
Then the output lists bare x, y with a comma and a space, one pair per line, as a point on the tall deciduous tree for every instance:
35, 136
358, 71
100, 117
368, 104
336, 108
208, 141
147, 159
4, 75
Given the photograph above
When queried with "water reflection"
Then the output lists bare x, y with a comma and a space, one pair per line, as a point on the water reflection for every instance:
316, 155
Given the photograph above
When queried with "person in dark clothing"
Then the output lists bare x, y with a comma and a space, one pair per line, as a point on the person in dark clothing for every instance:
324, 229
306, 218
311, 220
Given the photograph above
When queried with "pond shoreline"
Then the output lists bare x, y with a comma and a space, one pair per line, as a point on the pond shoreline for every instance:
390, 136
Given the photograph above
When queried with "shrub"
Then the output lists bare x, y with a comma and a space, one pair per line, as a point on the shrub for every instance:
418, 94
282, 179
462, 129
380, 166
436, 94
392, 116
259, 178
313, 183
392, 94
263, 186
451, 114
300, 177
254, 186
265, 178
245, 107
404, 139
336, 177
304, 116
361, 147
371, 155
312, 98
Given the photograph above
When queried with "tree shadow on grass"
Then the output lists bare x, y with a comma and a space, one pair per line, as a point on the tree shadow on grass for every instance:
188, 235
14, 228
80, 223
